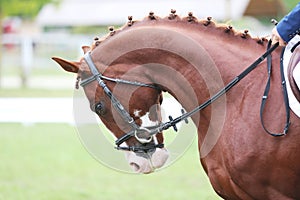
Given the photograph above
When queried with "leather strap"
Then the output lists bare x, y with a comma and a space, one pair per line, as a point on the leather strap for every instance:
266, 93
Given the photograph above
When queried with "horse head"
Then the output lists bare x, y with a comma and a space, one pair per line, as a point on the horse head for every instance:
124, 107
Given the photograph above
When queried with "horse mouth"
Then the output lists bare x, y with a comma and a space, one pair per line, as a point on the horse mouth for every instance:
143, 165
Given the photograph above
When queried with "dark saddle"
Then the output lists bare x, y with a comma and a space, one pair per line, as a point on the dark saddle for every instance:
295, 59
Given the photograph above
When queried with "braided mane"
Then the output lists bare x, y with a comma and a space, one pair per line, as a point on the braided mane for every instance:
174, 18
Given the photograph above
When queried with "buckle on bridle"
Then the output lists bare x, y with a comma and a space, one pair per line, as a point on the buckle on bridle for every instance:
143, 135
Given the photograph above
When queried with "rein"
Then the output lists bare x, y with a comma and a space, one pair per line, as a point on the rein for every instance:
267, 55
285, 95
151, 131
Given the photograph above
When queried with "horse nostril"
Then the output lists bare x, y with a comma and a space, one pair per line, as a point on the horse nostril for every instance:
139, 164
135, 166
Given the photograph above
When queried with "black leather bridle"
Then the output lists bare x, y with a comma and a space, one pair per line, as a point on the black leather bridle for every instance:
140, 133
149, 132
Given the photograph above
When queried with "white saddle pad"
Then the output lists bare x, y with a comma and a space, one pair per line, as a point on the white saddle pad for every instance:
296, 74
294, 104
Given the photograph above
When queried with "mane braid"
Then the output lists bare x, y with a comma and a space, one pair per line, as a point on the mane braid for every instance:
174, 18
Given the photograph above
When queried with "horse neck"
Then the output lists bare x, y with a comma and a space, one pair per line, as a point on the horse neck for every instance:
189, 63
197, 64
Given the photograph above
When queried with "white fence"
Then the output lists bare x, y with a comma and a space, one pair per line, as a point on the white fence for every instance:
36, 110
23, 53
56, 110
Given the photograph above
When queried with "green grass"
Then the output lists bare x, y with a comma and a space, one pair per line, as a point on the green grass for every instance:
47, 161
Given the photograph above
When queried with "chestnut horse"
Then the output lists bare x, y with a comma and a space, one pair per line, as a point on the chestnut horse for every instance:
125, 73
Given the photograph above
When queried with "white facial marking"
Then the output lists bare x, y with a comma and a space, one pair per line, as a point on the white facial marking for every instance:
147, 122
137, 113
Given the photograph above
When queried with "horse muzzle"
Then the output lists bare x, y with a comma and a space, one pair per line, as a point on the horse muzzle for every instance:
146, 164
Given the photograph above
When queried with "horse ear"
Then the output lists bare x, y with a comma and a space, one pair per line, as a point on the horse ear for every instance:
69, 66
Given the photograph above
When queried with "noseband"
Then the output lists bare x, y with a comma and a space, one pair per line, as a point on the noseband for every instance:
136, 130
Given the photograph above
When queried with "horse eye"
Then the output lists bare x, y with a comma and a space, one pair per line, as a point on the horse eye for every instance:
99, 108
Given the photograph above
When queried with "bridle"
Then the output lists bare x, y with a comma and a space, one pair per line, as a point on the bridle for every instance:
136, 130
151, 131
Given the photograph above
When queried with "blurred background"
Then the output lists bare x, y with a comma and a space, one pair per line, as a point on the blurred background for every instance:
40, 155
